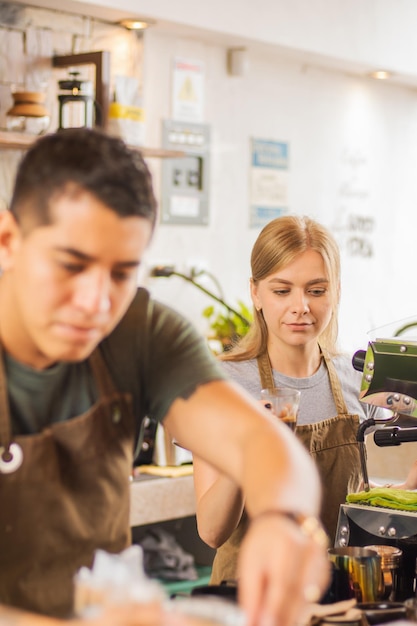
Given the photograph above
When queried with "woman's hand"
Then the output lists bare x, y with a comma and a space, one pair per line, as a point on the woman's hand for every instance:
410, 483
411, 480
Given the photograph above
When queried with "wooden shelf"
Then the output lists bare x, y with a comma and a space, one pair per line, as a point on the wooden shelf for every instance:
159, 153
15, 141
21, 141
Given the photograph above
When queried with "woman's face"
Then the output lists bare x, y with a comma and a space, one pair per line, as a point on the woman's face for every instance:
296, 300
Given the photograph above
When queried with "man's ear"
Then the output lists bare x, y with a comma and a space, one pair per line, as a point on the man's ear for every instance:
10, 237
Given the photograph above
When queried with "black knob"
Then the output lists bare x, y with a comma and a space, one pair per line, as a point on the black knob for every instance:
358, 360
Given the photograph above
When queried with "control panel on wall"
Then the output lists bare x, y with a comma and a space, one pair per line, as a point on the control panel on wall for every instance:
185, 181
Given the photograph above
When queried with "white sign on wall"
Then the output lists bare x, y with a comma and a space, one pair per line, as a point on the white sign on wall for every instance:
188, 90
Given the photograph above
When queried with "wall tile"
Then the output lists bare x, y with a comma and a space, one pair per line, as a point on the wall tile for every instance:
12, 57
54, 20
39, 51
9, 160
11, 15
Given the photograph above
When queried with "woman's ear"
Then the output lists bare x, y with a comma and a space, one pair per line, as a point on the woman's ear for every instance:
254, 295
10, 237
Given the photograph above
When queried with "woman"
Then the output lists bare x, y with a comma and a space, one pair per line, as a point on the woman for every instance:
295, 289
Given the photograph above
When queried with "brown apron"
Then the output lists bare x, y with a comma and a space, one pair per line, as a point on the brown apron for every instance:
69, 497
332, 444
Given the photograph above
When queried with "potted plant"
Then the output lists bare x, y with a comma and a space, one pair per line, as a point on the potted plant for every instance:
227, 325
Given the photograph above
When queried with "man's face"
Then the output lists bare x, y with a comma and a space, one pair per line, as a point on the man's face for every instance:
66, 285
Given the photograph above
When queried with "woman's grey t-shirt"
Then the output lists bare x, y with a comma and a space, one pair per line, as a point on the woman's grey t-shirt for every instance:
154, 354
316, 400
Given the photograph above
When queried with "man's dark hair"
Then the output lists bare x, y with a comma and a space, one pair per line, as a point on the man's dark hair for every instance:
87, 159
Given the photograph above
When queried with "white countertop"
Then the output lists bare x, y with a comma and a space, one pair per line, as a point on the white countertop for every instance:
156, 499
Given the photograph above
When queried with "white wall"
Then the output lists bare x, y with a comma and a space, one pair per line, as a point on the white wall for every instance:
352, 141
365, 33
353, 155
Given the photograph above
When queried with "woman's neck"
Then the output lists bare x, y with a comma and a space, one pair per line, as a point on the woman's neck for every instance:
295, 361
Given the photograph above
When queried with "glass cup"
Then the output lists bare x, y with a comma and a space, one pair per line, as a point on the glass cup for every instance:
284, 403
411, 609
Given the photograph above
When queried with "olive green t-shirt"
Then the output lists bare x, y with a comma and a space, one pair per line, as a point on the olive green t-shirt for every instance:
154, 354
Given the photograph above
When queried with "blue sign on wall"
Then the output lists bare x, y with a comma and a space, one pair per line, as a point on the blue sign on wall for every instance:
268, 181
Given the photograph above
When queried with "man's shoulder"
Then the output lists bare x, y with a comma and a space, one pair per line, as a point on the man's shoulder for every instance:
140, 303
149, 323
143, 304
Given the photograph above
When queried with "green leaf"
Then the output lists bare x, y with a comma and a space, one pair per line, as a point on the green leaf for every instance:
226, 325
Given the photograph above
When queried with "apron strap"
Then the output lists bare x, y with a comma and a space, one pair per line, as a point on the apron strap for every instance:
5, 423
267, 379
335, 385
101, 373
265, 371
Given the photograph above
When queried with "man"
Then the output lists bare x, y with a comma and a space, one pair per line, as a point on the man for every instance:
85, 357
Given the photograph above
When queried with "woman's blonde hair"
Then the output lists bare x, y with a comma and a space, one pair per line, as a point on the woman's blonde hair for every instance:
277, 245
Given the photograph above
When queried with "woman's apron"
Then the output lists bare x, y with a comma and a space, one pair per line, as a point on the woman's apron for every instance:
332, 444
69, 497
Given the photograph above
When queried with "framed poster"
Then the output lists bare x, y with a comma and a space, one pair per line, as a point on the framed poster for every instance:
268, 181
188, 90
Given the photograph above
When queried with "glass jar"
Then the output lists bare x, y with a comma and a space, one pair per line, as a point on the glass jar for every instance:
76, 102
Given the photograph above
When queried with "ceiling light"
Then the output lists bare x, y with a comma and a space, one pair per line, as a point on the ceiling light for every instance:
381, 74
133, 23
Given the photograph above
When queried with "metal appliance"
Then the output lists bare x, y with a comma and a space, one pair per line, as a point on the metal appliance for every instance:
389, 380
